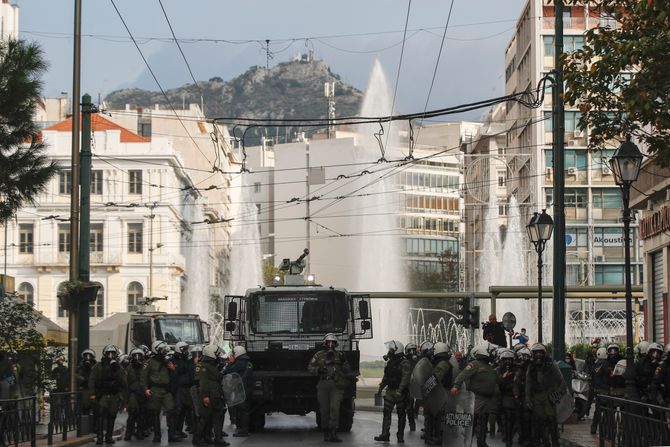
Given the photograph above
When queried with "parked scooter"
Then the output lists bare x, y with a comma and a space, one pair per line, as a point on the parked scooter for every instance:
581, 384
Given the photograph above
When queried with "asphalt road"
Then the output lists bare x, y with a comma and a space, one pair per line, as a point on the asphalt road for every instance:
283, 430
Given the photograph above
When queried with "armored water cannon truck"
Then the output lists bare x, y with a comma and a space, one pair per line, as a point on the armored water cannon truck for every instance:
282, 326
129, 330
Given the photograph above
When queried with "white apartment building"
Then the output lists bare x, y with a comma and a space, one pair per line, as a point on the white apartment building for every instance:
9, 20
423, 207
594, 242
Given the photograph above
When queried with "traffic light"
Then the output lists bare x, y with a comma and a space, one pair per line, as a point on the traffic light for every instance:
474, 317
463, 312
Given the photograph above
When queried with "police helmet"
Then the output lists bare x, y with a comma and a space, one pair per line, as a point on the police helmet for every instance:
506, 354
110, 351
482, 352
518, 347
410, 348
613, 349
330, 338
145, 348
619, 368
238, 351
181, 347
601, 353
211, 351
88, 354
159, 347
195, 349
642, 348
137, 354
441, 348
427, 348
523, 353
538, 347
395, 347
124, 359
655, 351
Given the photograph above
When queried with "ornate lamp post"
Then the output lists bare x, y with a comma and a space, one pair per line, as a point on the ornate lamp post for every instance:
539, 231
626, 164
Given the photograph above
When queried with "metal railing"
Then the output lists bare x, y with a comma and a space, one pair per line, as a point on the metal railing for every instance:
63, 415
18, 421
632, 424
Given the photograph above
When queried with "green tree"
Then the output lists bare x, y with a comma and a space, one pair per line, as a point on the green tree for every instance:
620, 79
24, 168
446, 279
270, 271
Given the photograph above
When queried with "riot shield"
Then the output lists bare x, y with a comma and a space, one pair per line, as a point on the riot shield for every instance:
421, 372
233, 389
563, 401
458, 419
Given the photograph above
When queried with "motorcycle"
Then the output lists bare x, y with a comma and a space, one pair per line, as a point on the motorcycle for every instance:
581, 385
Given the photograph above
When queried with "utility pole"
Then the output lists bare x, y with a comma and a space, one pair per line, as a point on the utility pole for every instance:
307, 202
74, 196
151, 217
558, 148
85, 220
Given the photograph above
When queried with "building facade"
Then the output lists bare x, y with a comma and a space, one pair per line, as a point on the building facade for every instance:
9, 20
593, 204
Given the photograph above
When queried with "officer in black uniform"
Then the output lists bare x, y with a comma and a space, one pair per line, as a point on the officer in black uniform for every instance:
645, 369
412, 356
506, 372
397, 373
240, 363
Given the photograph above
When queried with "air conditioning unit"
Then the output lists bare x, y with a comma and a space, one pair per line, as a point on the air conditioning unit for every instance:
579, 133
572, 143
598, 259
607, 170
550, 174
572, 171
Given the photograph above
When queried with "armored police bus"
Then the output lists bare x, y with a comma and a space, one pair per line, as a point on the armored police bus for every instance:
282, 327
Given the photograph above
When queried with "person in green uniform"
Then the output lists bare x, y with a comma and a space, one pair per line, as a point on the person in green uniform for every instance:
108, 381
411, 354
334, 373
239, 362
155, 380
88, 405
542, 379
506, 372
443, 372
426, 349
397, 373
525, 415
480, 378
136, 398
211, 404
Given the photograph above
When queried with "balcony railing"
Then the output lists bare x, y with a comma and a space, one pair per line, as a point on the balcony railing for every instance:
631, 424
18, 419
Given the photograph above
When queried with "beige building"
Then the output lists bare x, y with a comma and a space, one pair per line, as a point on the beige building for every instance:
9, 20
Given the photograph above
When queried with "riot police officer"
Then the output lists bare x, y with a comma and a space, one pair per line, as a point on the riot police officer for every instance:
61, 375
600, 383
412, 356
397, 372
155, 380
506, 372
425, 351
184, 381
136, 399
480, 378
542, 379
617, 384
108, 381
645, 368
240, 363
334, 374
443, 372
88, 405
660, 384
211, 402
525, 419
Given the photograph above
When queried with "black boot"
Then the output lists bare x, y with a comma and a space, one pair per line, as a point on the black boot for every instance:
384, 437
99, 426
130, 426
401, 437
326, 435
109, 435
333, 435
157, 428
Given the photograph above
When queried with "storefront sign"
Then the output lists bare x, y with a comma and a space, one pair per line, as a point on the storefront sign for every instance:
656, 223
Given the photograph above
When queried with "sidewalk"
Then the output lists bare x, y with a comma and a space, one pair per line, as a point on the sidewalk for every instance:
72, 439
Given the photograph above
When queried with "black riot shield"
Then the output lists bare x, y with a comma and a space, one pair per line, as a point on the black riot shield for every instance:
458, 419
233, 389
424, 386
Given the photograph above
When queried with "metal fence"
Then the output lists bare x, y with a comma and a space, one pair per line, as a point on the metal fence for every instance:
63, 415
627, 423
18, 421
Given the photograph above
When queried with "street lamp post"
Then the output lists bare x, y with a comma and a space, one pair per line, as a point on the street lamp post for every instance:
539, 231
626, 163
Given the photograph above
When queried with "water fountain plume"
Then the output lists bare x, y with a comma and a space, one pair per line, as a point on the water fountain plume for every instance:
195, 297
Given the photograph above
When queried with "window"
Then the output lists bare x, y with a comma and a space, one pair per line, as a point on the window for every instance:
135, 292
576, 237
575, 159
96, 182
25, 238
65, 182
26, 293
609, 274
501, 180
96, 237
607, 198
61, 310
134, 238
257, 187
63, 238
601, 158
96, 309
135, 182
574, 197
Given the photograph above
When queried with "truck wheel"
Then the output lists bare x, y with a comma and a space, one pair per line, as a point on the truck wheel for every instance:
256, 421
347, 408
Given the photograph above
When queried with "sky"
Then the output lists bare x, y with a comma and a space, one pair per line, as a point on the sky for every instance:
471, 66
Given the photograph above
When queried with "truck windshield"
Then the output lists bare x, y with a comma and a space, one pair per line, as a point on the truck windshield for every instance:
293, 313
173, 330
